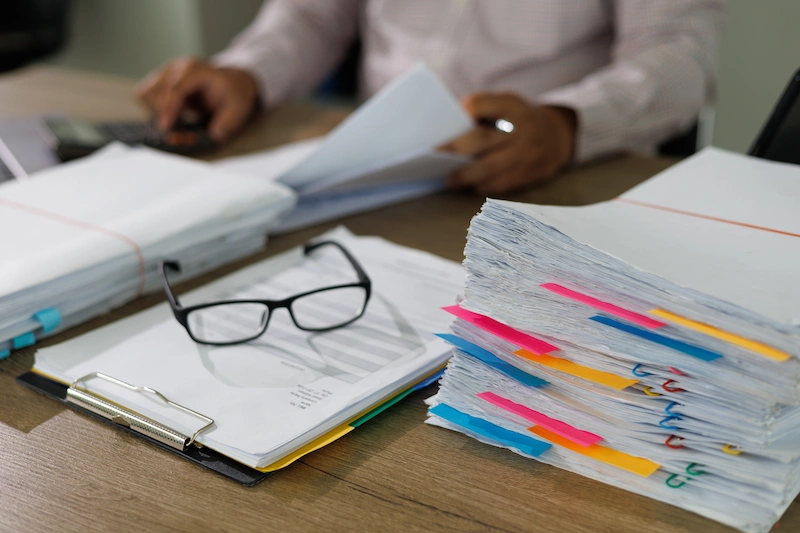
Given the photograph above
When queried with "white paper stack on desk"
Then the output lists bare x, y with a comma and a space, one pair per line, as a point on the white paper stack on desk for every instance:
87, 236
650, 342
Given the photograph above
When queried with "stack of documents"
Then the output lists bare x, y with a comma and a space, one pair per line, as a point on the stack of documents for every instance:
650, 342
383, 153
289, 391
85, 237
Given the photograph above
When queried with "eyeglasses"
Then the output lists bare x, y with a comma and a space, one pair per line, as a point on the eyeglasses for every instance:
229, 322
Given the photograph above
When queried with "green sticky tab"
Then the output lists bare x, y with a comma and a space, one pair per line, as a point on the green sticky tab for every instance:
381, 408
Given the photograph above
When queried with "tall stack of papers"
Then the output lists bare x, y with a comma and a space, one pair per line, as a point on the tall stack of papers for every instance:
650, 342
85, 237
289, 391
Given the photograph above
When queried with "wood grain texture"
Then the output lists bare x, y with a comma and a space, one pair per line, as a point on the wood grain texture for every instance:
63, 471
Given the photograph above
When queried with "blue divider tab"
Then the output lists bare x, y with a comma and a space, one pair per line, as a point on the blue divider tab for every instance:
512, 439
49, 318
4, 354
26, 339
688, 349
492, 360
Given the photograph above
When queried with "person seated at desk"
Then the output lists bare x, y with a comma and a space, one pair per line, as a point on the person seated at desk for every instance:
578, 79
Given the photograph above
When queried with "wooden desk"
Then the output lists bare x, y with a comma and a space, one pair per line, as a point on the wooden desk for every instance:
63, 471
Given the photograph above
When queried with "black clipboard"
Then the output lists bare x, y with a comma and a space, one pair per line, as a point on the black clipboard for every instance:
204, 457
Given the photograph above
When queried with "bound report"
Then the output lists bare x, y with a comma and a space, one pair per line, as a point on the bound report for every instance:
257, 406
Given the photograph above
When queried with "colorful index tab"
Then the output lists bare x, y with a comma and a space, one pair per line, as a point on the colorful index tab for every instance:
600, 305
578, 436
498, 329
527, 445
492, 360
685, 347
4, 354
636, 465
711, 331
573, 369
49, 318
26, 339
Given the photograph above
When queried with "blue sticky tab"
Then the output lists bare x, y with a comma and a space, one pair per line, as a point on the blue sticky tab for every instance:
527, 445
688, 349
4, 354
26, 339
49, 318
492, 360
427, 381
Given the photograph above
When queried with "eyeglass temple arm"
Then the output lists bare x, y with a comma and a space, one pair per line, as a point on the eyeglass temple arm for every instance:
362, 275
162, 273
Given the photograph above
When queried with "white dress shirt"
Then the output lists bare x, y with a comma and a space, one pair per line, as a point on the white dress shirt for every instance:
636, 72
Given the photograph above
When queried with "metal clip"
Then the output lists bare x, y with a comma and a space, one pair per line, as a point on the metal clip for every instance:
127, 418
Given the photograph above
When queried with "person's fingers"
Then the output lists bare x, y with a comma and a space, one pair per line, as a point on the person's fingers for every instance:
148, 89
175, 95
476, 141
228, 118
493, 105
484, 169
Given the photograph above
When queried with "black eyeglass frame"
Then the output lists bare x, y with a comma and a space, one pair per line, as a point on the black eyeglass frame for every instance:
182, 313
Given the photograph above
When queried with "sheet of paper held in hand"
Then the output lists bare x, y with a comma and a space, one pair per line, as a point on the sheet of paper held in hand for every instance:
288, 387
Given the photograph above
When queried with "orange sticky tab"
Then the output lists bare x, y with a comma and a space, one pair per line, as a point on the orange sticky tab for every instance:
636, 465
711, 331
573, 369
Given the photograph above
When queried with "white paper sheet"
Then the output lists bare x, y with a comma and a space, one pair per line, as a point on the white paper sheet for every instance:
416, 113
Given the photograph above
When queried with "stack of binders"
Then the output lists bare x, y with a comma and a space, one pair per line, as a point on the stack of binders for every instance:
650, 342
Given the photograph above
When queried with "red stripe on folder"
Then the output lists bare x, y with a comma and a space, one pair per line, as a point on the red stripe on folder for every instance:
707, 217
498, 329
611, 309
85, 225
578, 436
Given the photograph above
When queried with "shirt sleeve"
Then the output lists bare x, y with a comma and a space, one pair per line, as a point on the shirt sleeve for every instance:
661, 75
292, 45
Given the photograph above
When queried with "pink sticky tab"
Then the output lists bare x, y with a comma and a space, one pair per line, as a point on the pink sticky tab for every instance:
498, 329
578, 436
611, 309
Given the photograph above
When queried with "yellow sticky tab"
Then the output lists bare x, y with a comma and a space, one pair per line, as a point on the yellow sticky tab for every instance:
573, 369
312, 446
637, 465
748, 344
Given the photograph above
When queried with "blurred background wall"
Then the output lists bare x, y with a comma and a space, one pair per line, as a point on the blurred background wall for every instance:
760, 48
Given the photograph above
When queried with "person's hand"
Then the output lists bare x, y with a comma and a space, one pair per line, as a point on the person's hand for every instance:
228, 95
541, 144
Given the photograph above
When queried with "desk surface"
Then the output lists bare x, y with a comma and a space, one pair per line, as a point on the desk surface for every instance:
61, 470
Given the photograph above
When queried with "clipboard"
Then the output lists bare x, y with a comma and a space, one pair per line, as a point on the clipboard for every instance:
185, 446
202, 456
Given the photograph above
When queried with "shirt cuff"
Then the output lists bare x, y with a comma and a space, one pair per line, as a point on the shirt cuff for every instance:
598, 132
